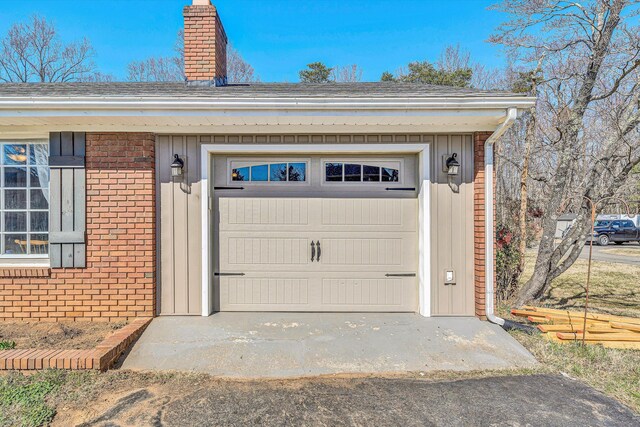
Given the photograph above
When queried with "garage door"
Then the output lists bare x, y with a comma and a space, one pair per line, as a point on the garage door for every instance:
317, 254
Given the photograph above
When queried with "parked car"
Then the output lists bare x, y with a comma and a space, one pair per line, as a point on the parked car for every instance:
617, 231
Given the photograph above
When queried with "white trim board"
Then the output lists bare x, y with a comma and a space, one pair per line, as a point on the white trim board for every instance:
424, 214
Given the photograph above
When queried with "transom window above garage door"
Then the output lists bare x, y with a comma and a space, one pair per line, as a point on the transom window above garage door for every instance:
361, 171
269, 171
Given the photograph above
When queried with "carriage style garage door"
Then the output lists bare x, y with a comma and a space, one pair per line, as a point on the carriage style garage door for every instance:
316, 234
317, 254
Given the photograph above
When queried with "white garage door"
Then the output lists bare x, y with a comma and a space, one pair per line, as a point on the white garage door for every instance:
317, 254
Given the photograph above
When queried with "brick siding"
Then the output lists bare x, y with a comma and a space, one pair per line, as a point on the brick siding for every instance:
205, 45
119, 281
479, 139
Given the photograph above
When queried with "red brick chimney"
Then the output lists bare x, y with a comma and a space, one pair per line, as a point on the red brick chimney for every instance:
205, 45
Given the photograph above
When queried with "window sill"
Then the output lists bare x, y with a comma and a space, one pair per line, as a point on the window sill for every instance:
24, 267
24, 272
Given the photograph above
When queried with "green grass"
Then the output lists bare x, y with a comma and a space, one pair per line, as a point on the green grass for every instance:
7, 345
23, 399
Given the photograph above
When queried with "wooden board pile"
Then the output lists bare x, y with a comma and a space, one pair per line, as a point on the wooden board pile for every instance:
566, 326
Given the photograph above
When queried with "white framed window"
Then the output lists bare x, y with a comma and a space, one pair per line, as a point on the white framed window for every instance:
272, 171
361, 171
24, 199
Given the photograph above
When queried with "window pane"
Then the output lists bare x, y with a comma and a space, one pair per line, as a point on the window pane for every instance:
297, 171
352, 172
39, 198
240, 174
260, 173
371, 173
39, 244
333, 172
39, 221
15, 221
39, 154
15, 244
278, 172
15, 199
15, 154
15, 177
39, 177
389, 175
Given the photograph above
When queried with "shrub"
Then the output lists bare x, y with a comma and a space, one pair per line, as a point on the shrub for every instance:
507, 263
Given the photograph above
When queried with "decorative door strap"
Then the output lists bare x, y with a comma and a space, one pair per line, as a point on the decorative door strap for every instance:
228, 274
400, 275
400, 189
228, 188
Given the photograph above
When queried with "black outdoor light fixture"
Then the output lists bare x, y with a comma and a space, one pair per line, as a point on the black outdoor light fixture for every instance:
453, 166
177, 166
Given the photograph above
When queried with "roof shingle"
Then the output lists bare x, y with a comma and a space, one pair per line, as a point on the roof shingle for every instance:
252, 90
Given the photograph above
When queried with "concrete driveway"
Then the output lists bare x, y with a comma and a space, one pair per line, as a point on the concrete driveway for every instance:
261, 345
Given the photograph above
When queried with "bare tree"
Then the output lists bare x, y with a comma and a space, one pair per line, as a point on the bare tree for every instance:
346, 74
33, 52
171, 68
239, 70
587, 115
161, 69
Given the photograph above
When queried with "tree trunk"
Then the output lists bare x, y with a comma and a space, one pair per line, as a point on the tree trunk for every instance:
528, 141
545, 264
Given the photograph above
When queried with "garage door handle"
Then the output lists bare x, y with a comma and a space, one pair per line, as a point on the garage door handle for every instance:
319, 251
313, 250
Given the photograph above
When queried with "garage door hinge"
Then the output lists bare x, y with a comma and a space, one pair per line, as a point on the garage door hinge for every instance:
210, 203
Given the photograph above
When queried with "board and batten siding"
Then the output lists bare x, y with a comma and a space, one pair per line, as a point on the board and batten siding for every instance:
452, 228
68, 200
180, 278
452, 208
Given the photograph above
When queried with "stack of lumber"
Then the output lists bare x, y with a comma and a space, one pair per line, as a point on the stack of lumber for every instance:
565, 326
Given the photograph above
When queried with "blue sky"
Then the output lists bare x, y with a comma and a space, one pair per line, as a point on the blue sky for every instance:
278, 37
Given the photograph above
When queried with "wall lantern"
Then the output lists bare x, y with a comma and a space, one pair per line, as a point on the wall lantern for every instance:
453, 166
177, 166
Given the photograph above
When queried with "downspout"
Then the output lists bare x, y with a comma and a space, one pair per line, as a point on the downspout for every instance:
489, 233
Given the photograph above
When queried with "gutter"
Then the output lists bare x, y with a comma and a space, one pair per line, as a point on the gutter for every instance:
137, 103
489, 232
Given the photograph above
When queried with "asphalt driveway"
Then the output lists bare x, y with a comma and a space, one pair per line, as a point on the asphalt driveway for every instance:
540, 400
605, 254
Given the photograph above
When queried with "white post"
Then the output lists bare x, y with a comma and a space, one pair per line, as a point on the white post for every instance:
424, 234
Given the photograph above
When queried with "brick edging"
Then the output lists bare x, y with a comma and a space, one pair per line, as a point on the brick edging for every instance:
102, 357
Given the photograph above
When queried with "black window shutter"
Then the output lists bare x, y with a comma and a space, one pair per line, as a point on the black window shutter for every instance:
67, 200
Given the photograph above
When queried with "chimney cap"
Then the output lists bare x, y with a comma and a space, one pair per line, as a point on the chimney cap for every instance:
202, 2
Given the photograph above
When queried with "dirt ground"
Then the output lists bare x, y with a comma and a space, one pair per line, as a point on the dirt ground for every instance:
57, 335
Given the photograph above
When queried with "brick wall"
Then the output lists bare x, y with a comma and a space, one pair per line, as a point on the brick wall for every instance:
205, 45
479, 139
119, 281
